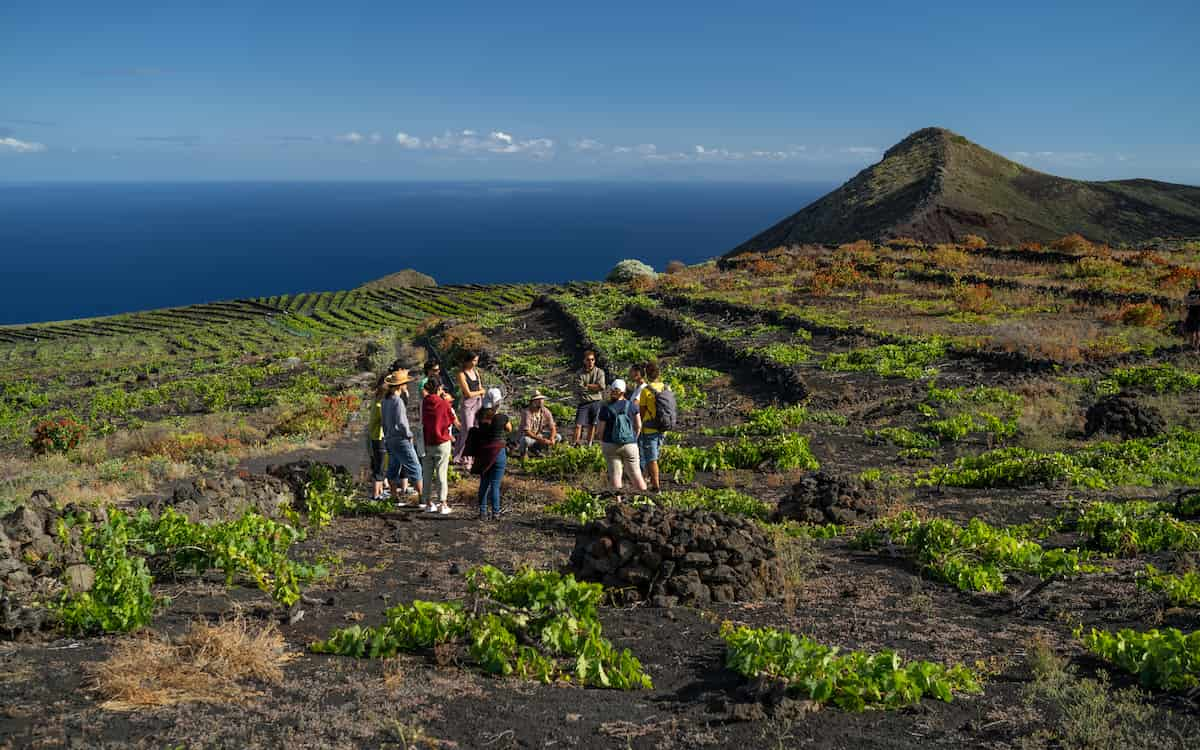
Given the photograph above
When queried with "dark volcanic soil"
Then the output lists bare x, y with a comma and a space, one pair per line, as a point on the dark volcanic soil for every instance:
846, 597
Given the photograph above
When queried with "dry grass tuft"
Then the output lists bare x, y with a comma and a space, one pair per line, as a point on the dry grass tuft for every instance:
204, 665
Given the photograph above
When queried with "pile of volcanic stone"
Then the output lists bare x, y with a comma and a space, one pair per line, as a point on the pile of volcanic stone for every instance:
823, 497
35, 563
225, 498
1121, 414
669, 557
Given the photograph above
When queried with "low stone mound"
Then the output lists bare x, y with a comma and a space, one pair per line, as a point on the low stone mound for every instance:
1122, 414
32, 556
225, 498
296, 475
824, 497
670, 557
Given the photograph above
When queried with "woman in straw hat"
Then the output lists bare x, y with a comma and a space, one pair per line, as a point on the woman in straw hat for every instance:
398, 436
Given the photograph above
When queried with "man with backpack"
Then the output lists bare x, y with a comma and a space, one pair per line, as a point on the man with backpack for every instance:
659, 412
618, 427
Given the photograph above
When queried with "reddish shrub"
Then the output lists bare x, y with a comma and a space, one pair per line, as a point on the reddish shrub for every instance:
1145, 314
57, 435
974, 242
975, 299
1073, 243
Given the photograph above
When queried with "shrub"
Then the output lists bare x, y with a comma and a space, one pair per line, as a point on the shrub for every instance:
974, 242
1167, 659
57, 435
971, 558
949, 256
628, 270
676, 266
976, 299
1031, 247
1181, 591
1145, 314
1073, 243
837, 276
1095, 268
554, 616
853, 681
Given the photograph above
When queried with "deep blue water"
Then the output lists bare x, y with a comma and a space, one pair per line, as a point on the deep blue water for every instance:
77, 250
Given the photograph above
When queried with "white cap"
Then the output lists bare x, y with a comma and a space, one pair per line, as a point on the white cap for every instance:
618, 385
492, 398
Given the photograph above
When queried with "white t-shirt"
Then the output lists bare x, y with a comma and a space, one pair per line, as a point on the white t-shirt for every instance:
637, 392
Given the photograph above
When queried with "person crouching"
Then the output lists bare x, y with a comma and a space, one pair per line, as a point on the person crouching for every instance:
539, 432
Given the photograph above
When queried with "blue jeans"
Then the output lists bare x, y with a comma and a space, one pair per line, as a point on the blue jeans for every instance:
489, 484
402, 455
649, 447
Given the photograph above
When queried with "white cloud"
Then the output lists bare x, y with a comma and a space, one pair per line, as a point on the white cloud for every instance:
587, 145
404, 140
21, 147
860, 150
376, 138
469, 142
351, 137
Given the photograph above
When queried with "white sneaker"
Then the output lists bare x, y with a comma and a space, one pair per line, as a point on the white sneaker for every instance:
445, 511
431, 508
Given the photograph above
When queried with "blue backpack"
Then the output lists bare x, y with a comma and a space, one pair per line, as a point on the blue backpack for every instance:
622, 430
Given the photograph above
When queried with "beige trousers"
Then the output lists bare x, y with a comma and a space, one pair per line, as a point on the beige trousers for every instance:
620, 459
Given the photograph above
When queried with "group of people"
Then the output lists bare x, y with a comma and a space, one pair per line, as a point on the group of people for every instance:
630, 418
411, 460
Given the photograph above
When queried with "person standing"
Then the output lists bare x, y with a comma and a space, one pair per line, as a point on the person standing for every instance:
619, 425
637, 376
589, 389
538, 430
437, 415
650, 439
486, 444
470, 388
397, 435
1191, 324
375, 448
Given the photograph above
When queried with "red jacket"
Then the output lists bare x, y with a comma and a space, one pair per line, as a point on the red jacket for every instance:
436, 417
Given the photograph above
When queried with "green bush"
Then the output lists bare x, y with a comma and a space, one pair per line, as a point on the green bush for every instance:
1181, 591
1173, 458
1167, 660
971, 558
852, 681
530, 625
913, 361
120, 598
1130, 528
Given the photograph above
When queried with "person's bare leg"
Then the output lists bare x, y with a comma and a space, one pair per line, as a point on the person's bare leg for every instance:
578, 434
653, 467
591, 435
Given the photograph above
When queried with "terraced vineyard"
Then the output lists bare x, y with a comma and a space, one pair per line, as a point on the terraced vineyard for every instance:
918, 496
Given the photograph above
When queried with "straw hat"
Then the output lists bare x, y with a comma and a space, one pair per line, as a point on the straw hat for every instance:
536, 396
399, 377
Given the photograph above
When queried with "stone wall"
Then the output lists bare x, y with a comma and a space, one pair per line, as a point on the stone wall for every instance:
670, 557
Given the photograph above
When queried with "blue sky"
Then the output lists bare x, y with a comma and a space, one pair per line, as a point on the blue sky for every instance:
541, 90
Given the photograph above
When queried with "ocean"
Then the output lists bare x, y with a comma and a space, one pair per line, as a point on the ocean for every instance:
79, 250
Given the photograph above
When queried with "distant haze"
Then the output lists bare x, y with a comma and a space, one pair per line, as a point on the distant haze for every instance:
77, 250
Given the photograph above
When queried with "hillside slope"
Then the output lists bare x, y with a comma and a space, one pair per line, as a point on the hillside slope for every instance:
936, 186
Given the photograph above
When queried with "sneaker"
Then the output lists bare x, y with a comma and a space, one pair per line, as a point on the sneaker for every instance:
483, 516
409, 491
431, 508
445, 511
